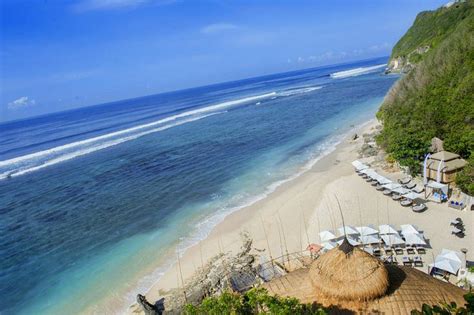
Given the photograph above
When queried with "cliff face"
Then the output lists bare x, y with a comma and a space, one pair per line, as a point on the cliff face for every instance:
427, 32
435, 97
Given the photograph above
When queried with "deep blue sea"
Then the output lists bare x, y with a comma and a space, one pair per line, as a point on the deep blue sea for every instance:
91, 198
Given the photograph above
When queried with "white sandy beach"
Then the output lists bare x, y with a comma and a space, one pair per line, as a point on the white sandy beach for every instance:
294, 214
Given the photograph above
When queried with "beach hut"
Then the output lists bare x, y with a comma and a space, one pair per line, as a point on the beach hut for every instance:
438, 192
387, 229
349, 280
443, 166
448, 260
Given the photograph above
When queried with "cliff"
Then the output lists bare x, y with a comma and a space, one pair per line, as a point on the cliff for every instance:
429, 30
435, 98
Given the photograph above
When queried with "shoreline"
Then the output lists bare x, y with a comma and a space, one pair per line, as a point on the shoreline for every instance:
226, 234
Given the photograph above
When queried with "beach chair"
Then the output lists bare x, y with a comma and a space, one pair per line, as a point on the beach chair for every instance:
418, 190
419, 208
404, 181
410, 249
409, 185
387, 249
377, 252
457, 221
406, 202
398, 250
397, 197
387, 192
417, 261
406, 261
420, 250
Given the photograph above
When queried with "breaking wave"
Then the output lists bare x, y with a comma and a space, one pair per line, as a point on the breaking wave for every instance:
355, 72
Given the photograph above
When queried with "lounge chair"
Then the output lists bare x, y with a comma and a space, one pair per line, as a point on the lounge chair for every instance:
418, 190
420, 250
387, 192
398, 250
406, 202
419, 208
404, 181
410, 249
410, 185
374, 183
456, 221
368, 179
379, 187
397, 197
406, 260
417, 261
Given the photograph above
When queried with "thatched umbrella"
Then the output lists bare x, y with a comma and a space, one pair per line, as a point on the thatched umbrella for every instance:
349, 280
358, 275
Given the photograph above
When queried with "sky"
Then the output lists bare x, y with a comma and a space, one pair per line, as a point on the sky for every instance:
58, 55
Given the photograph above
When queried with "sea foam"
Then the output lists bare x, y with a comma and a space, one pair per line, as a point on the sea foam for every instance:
355, 72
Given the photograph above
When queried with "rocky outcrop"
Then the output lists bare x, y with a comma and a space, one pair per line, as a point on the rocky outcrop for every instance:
404, 64
213, 278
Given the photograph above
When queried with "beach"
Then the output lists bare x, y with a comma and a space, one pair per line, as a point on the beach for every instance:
292, 216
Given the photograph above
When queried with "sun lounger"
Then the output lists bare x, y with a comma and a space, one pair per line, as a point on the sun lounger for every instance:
410, 249
456, 221
397, 197
406, 260
387, 249
374, 183
420, 250
377, 251
387, 192
410, 185
398, 250
418, 190
417, 261
391, 260
406, 202
368, 179
404, 181
419, 208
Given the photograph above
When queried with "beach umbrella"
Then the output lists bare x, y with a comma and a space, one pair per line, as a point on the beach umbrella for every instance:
369, 239
366, 230
391, 186
451, 254
446, 265
401, 190
414, 239
392, 239
409, 229
327, 236
359, 165
412, 195
329, 245
351, 240
387, 229
350, 230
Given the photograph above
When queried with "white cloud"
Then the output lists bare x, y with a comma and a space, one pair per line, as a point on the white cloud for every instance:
93, 5
218, 28
23, 101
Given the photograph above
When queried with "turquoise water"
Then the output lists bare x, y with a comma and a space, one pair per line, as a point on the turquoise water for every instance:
92, 199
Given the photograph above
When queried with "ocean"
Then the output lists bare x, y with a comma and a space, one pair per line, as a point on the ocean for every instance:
96, 202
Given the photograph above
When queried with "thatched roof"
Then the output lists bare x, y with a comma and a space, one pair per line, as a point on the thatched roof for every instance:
349, 273
357, 282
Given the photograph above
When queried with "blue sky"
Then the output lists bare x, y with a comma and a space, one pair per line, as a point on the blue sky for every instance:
57, 55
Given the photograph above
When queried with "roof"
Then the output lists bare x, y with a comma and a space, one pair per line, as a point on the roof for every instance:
408, 289
450, 165
347, 272
444, 156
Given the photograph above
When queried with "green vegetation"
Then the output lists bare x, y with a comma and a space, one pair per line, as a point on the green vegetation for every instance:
430, 29
448, 309
254, 301
436, 98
